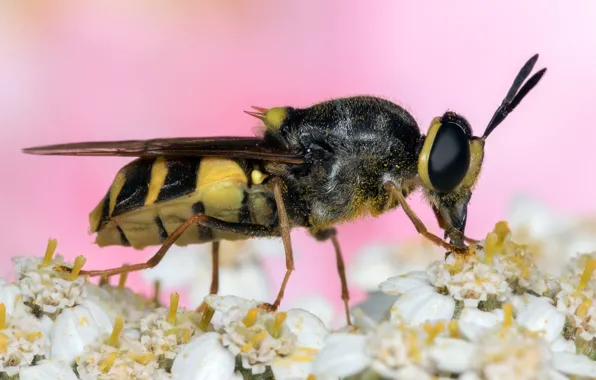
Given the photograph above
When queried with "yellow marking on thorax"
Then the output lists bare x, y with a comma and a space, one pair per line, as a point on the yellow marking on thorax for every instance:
159, 171
115, 189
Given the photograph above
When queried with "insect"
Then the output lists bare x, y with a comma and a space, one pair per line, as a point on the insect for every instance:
311, 168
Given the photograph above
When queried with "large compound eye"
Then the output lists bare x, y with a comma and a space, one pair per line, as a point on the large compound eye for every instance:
449, 158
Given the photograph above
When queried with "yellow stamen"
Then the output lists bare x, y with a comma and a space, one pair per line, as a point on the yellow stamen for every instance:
3, 343
118, 326
433, 331
174, 298
587, 274
122, 280
251, 318
453, 327
50, 250
490, 246
108, 362
31, 337
502, 231
311, 377
413, 349
186, 336
78, 265
457, 267
508, 315
141, 358
206, 318
2, 316
280, 318
582, 310
256, 339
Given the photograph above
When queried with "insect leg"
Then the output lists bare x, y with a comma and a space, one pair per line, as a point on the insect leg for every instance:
284, 226
215, 268
420, 227
331, 234
202, 219
443, 226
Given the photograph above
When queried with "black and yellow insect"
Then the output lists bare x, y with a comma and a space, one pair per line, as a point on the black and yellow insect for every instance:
313, 168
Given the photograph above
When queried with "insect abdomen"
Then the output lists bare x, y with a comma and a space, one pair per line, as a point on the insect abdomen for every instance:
150, 198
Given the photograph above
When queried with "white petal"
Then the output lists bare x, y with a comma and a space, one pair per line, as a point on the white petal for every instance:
563, 345
572, 364
452, 355
317, 305
290, 369
73, 329
9, 294
343, 355
540, 315
422, 305
178, 268
204, 358
309, 330
402, 284
473, 323
48, 370
479, 317
469, 376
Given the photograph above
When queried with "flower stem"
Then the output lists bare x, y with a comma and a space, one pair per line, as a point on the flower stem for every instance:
122, 280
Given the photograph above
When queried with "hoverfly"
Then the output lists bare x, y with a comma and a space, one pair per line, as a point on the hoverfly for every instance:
312, 167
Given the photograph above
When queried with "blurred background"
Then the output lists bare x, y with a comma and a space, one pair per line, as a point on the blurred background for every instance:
108, 70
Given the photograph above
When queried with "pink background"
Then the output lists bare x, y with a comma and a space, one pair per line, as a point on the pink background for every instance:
101, 71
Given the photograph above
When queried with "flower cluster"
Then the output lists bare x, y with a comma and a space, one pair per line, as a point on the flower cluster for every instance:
493, 313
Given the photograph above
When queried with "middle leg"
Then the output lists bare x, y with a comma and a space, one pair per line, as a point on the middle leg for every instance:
331, 234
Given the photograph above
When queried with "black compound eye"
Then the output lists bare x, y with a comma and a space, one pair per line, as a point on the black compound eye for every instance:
449, 157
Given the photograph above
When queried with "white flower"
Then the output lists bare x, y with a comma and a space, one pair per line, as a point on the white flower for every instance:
513, 353
576, 298
470, 280
128, 359
204, 358
240, 271
286, 341
419, 300
165, 333
48, 370
21, 341
394, 351
45, 287
77, 327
